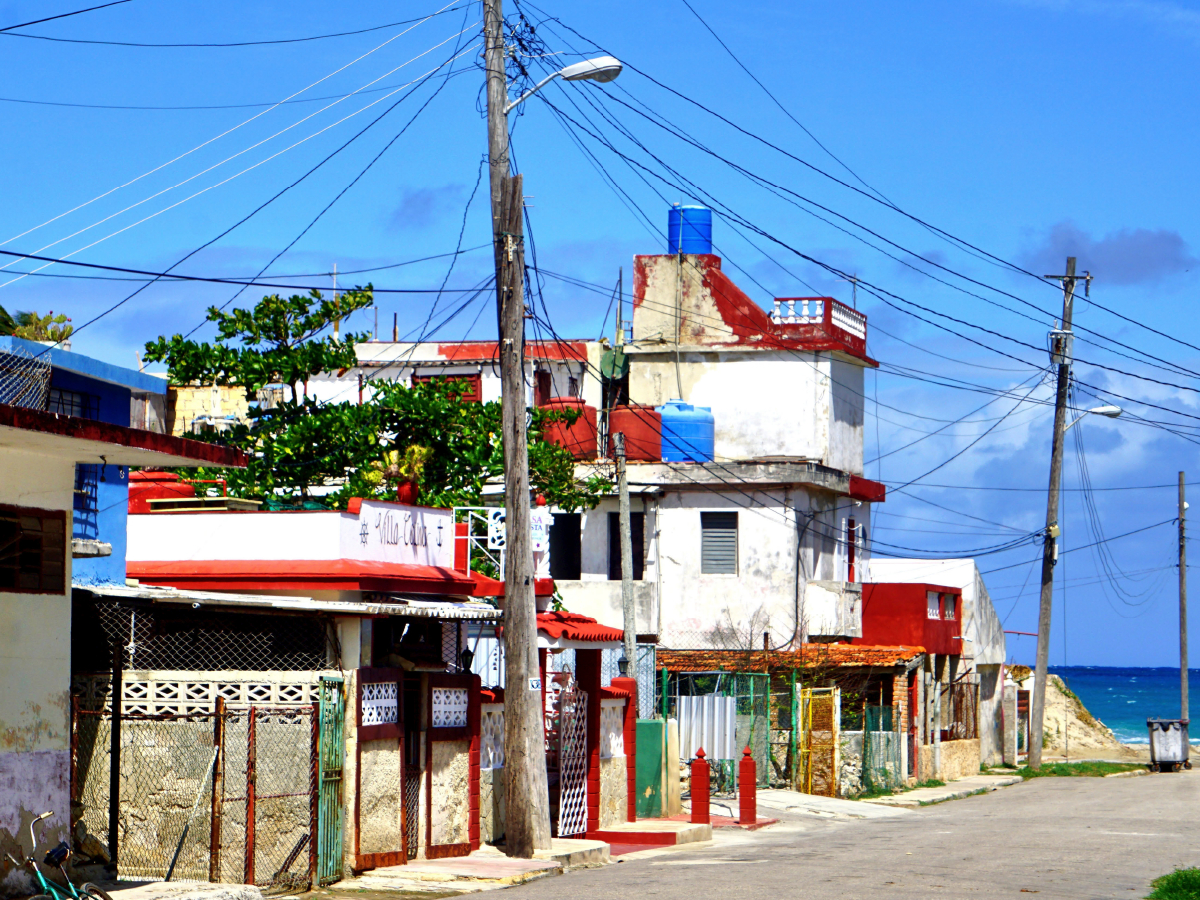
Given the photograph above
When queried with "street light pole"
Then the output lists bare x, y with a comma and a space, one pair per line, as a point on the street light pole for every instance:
527, 797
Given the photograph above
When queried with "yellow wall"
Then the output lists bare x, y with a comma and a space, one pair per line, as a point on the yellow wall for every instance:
186, 403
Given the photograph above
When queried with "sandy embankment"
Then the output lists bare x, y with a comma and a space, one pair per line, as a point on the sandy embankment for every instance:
1071, 732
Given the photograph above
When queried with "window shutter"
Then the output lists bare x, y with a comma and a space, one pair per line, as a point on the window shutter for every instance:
718, 543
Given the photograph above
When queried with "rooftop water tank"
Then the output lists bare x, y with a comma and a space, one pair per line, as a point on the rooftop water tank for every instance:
642, 427
147, 486
689, 229
580, 437
687, 432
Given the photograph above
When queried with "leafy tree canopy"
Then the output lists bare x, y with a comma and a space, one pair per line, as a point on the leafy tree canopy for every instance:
303, 448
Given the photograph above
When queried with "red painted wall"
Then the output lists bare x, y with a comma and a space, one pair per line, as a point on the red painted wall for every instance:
896, 614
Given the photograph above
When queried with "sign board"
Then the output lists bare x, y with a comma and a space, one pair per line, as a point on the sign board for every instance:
390, 532
540, 520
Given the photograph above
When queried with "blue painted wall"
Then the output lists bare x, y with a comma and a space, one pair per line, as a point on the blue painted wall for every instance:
102, 492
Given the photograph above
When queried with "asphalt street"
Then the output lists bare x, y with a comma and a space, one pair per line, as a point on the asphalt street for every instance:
1060, 837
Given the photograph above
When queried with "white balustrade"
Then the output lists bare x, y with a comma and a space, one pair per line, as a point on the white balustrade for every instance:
612, 728
491, 736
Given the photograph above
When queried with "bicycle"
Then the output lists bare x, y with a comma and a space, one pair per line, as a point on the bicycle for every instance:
56, 858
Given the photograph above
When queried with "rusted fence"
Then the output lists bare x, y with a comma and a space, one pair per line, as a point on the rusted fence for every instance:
226, 796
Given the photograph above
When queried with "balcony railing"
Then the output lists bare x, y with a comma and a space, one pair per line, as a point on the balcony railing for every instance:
821, 317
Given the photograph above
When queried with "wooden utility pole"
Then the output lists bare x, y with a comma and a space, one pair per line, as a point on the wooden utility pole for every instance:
628, 613
1060, 354
527, 817
1183, 654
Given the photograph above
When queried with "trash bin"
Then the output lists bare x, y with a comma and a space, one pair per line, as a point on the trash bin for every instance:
1168, 745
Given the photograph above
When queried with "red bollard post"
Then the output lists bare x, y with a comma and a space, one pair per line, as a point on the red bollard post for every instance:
700, 780
747, 790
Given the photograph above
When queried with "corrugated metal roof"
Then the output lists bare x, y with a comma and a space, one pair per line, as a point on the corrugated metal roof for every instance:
810, 656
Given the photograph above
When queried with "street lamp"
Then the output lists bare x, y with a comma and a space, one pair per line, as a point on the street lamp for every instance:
1110, 412
602, 69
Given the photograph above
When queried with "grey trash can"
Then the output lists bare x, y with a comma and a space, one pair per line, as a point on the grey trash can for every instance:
1168, 744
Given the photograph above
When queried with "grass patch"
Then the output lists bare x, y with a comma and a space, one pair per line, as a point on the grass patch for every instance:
1182, 884
932, 782
1077, 769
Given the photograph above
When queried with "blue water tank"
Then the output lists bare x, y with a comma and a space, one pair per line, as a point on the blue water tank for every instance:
689, 229
687, 432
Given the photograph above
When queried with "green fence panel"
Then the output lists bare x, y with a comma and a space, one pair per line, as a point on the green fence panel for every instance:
650, 748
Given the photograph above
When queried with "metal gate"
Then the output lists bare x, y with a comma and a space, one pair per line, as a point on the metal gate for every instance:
818, 741
572, 761
331, 756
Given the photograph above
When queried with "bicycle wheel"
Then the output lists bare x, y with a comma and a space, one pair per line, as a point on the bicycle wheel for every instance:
41, 897
90, 890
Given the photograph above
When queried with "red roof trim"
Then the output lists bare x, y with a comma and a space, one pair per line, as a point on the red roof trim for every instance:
572, 627
301, 574
866, 489
486, 586
810, 656
89, 430
479, 351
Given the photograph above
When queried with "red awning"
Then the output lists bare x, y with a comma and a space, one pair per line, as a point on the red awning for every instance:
302, 575
572, 627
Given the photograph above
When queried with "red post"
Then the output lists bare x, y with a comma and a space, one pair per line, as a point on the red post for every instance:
700, 789
747, 789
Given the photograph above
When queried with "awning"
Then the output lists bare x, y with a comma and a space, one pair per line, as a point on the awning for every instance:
568, 631
394, 605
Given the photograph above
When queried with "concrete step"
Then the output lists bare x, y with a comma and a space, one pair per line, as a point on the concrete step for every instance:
653, 833
575, 853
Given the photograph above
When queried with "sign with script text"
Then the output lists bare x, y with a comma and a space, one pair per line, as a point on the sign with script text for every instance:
390, 532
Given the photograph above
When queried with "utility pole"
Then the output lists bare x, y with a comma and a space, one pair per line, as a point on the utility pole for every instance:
1183, 654
527, 821
1060, 352
628, 613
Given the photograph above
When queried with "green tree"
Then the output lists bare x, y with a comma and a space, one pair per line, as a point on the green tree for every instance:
302, 445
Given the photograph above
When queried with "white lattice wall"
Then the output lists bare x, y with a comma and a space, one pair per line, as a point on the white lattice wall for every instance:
491, 736
612, 728
161, 691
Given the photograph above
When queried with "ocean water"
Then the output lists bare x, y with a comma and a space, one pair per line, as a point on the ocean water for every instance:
1124, 698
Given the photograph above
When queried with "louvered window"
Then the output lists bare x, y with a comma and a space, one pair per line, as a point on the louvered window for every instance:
718, 543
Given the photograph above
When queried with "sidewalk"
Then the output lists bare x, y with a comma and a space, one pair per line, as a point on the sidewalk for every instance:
162, 890
955, 790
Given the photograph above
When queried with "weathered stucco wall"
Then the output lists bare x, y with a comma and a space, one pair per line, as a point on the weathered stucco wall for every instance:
381, 825
958, 760
614, 792
491, 805
35, 672
451, 792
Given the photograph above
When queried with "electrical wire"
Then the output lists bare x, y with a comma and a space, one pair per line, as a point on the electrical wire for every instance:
9, 29
299, 40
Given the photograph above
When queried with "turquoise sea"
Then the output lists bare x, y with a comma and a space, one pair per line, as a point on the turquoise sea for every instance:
1124, 698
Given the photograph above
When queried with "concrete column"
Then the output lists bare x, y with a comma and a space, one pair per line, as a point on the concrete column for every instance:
1009, 719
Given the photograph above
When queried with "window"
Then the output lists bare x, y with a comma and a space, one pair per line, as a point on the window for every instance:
948, 604
73, 403
32, 551
718, 543
933, 605
566, 563
637, 532
471, 384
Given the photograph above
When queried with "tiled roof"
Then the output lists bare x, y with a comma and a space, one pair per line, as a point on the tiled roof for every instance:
809, 656
574, 627
611, 693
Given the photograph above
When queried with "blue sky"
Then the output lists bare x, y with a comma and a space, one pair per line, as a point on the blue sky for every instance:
1029, 129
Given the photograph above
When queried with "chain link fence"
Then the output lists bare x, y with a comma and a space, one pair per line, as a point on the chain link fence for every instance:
251, 771
882, 756
193, 640
24, 378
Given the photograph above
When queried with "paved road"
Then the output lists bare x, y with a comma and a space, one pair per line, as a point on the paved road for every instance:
1061, 837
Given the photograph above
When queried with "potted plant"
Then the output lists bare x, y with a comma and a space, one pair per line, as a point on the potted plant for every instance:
49, 329
404, 469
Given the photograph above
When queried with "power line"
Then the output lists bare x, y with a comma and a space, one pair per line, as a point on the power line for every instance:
8, 30
299, 40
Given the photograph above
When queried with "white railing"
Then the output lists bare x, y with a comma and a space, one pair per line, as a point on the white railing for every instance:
803, 311
850, 320
491, 736
612, 728
477, 519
